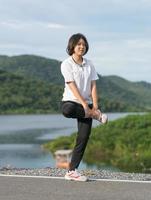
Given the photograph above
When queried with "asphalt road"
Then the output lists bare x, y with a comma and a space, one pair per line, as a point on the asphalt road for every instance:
23, 188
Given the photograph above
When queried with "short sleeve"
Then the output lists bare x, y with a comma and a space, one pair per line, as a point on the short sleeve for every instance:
66, 70
94, 75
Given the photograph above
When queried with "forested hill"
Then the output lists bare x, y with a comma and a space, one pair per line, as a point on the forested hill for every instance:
22, 95
121, 94
34, 67
42, 78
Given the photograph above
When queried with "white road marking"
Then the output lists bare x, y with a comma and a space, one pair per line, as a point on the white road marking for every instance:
62, 178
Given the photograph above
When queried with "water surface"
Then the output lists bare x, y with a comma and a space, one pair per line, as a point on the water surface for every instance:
21, 137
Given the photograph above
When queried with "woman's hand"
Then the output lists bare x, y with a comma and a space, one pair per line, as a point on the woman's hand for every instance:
88, 111
95, 107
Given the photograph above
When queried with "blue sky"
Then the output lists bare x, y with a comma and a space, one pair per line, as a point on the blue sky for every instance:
118, 31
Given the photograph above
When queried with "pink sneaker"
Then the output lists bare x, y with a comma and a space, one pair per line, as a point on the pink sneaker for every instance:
101, 117
74, 175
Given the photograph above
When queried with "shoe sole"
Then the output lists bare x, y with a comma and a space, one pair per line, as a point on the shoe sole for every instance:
72, 179
105, 121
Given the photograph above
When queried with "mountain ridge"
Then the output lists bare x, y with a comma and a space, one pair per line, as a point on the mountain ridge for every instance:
115, 92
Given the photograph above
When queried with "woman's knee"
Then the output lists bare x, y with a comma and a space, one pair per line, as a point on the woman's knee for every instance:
68, 109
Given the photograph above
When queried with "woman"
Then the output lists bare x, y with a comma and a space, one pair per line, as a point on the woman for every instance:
80, 99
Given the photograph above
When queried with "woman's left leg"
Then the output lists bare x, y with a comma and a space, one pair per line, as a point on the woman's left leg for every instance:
84, 130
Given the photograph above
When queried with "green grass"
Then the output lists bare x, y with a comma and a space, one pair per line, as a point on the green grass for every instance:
124, 143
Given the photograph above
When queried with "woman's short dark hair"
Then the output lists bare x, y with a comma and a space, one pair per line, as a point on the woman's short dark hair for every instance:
73, 41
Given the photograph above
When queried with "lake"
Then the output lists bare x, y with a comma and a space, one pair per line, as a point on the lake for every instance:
21, 137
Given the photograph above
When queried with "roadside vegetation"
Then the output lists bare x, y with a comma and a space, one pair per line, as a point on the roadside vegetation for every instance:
124, 143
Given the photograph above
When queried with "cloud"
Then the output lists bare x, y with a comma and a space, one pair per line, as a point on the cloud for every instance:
55, 26
118, 32
128, 58
16, 24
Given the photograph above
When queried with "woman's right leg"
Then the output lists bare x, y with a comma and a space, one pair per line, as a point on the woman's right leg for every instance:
74, 110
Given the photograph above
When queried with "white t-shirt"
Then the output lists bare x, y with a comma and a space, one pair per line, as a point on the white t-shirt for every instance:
82, 75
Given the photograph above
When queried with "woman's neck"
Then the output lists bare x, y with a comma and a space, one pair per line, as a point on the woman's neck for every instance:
77, 59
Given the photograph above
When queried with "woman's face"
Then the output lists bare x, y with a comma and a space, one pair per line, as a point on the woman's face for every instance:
80, 48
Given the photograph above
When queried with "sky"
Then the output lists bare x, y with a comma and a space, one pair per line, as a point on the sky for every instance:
118, 32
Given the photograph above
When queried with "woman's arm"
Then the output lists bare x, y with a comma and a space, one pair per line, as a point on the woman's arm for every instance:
94, 94
74, 89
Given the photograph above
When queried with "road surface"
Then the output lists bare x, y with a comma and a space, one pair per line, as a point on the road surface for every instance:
32, 188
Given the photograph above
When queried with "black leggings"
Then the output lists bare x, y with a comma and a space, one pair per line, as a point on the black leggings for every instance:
74, 110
